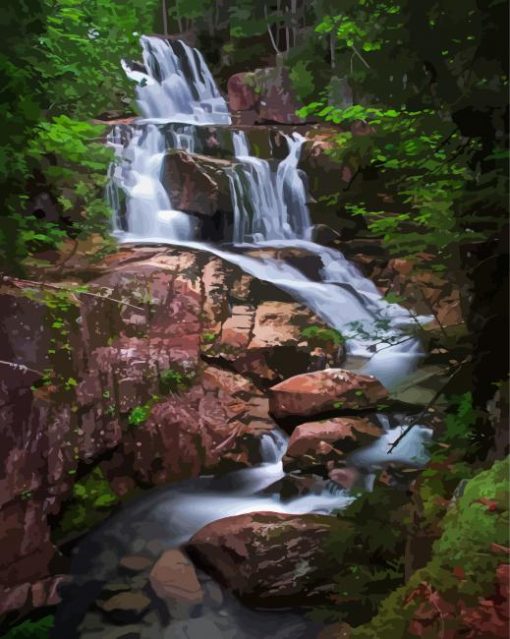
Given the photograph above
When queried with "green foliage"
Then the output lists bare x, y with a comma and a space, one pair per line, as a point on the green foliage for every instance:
446, 468
302, 79
140, 414
323, 337
369, 553
38, 629
208, 337
175, 381
60, 67
91, 500
420, 78
478, 519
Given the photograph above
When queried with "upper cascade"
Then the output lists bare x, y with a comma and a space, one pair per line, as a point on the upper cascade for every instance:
175, 84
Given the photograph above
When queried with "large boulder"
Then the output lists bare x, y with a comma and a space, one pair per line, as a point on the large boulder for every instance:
197, 184
323, 391
314, 444
270, 560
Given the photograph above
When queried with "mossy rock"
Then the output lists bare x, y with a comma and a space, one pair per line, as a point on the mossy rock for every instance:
463, 565
91, 502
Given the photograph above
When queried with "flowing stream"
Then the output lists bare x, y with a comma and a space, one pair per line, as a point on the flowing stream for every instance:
177, 96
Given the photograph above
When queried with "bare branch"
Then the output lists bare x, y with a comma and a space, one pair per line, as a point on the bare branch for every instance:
19, 283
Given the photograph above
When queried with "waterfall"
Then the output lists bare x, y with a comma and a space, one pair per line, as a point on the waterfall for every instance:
176, 85
177, 95
277, 200
137, 174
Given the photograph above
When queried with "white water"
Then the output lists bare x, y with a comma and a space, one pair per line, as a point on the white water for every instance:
177, 85
273, 206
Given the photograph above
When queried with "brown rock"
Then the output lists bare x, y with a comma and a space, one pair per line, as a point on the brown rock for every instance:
315, 443
346, 477
135, 563
241, 96
269, 559
173, 577
126, 607
197, 184
327, 390
265, 342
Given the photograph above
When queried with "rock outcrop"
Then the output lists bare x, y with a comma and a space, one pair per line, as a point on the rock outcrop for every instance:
322, 391
266, 93
197, 184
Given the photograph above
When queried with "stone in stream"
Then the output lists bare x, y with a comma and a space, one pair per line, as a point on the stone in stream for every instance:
125, 607
135, 563
314, 444
323, 391
173, 578
270, 559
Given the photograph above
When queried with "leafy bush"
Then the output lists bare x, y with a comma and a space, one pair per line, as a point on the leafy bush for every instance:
39, 629
323, 337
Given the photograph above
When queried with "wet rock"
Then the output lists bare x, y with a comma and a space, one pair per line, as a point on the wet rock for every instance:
346, 477
267, 342
173, 577
135, 563
241, 95
267, 92
292, 486
323, 391
268, 559
336, 631
125, 607
315, 443
196, 183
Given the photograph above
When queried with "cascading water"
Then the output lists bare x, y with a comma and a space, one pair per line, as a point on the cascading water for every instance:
276, 206
176, 84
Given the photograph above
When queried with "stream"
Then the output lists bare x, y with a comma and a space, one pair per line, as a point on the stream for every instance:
177, 96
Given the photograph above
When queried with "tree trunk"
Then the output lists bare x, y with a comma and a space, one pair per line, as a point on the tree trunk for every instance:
164, 8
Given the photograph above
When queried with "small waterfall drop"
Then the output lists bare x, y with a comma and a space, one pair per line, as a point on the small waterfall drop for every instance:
273, 446
277, 206
176, 85
136, 174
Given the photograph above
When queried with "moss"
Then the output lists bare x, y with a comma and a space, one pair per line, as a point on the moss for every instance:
175, 381
140, 414
91, 501
208, 337
475, 521
39, 629
322, 337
